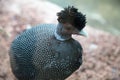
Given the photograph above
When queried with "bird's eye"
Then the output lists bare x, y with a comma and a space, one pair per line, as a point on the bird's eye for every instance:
68, 28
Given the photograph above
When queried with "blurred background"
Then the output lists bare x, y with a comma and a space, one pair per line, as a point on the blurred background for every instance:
101, 57
101, 14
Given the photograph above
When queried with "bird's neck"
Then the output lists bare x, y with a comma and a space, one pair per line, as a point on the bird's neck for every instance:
59, 33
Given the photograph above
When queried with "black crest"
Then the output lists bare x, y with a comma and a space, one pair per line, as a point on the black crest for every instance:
72, 16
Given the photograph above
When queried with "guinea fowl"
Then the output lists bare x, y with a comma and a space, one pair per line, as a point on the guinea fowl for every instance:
48, 51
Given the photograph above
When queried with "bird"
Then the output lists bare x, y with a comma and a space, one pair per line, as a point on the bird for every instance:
48, 51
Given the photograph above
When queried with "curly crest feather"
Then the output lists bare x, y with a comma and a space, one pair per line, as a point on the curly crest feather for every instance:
72, 16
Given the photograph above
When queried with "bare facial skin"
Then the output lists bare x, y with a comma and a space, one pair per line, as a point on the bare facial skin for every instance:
69, 29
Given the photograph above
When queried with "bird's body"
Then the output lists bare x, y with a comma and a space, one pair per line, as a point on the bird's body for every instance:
48, 51
36, 54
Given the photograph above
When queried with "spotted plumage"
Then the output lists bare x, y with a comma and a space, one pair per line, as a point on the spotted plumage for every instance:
46, 52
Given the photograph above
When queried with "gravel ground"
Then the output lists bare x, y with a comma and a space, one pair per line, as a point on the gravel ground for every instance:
101, 57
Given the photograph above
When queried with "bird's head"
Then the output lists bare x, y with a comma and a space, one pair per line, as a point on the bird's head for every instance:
72, 21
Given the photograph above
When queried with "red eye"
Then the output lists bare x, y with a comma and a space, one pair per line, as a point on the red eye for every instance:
68, 28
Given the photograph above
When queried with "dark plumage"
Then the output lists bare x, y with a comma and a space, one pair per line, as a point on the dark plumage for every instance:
72, 16
46, 52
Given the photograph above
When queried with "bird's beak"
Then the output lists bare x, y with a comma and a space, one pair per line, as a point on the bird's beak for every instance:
83, 33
